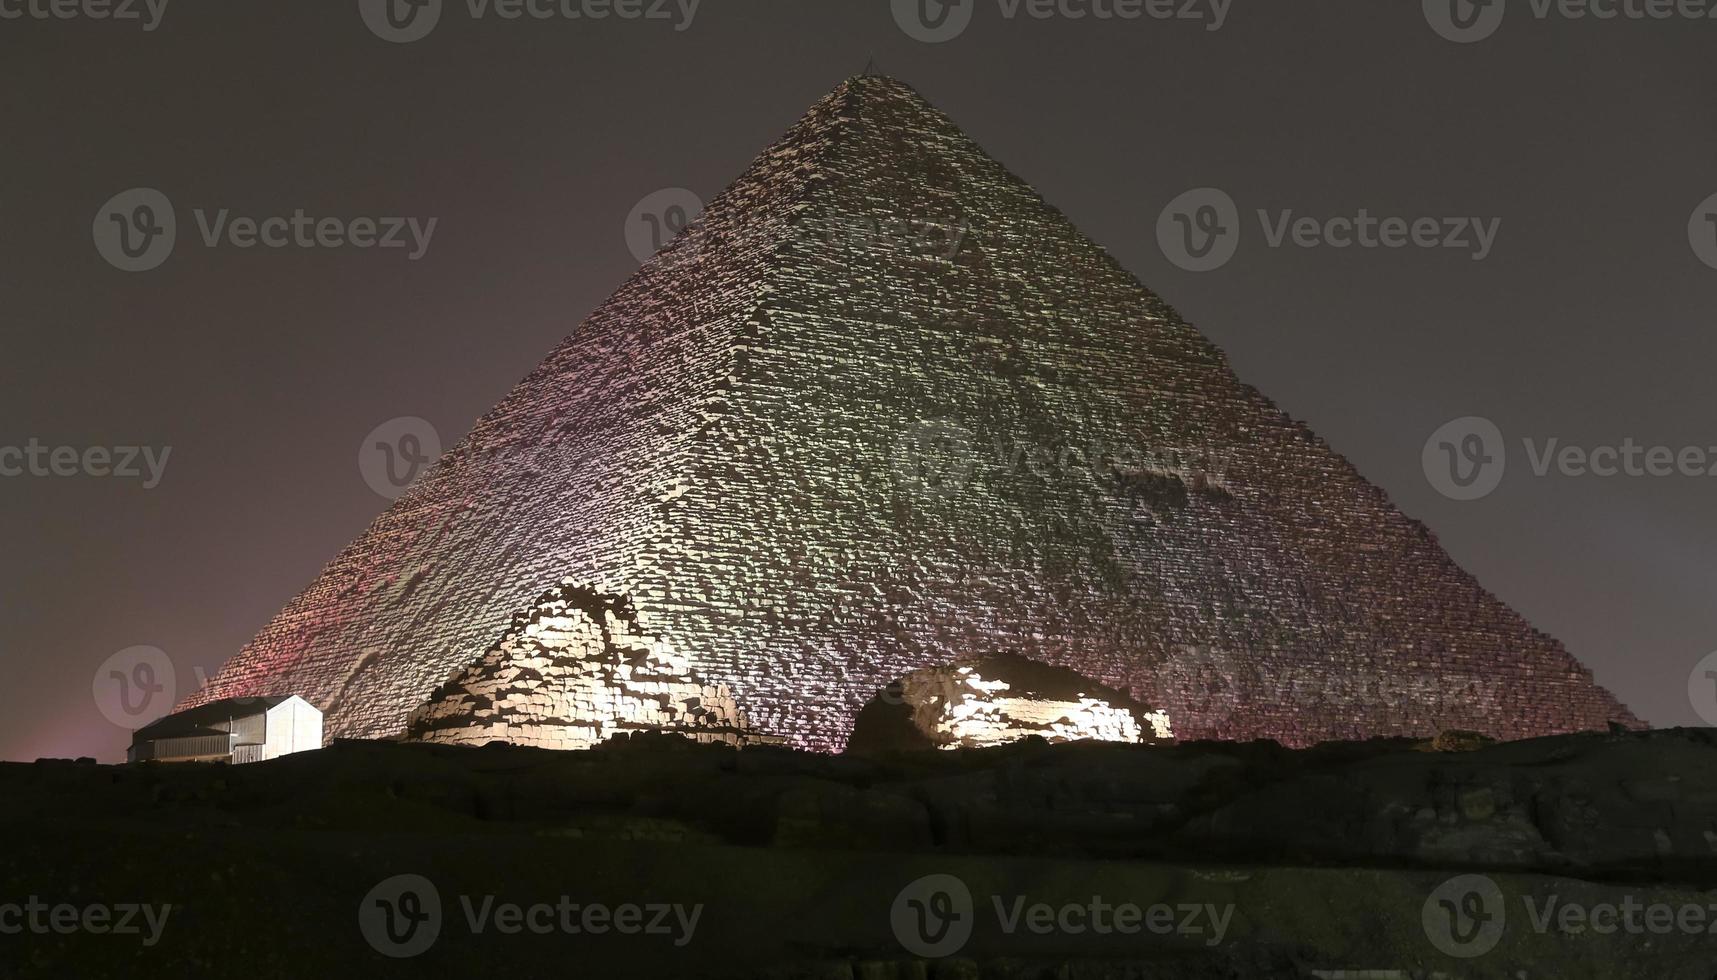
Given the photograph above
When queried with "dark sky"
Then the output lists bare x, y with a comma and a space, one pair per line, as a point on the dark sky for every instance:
531, 141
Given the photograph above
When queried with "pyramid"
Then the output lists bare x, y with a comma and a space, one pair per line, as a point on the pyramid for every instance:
883, 409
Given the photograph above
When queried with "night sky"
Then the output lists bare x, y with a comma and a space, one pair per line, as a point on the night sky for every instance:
531, 141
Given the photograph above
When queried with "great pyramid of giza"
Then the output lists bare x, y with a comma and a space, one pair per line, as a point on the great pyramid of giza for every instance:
880, 409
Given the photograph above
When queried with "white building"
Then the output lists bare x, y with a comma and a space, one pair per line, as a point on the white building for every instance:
233, 730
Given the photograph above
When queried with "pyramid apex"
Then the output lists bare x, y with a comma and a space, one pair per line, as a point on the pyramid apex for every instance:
880, 78
873, 77
872, 83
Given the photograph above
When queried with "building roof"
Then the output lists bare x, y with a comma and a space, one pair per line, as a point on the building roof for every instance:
198, 720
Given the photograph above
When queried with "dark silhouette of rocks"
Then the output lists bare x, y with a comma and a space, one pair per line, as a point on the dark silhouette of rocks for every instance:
1327, 856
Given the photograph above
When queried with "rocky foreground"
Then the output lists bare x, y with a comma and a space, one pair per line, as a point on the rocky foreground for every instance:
1576, 856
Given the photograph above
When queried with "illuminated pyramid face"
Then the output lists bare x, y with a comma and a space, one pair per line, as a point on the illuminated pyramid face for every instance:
883, 409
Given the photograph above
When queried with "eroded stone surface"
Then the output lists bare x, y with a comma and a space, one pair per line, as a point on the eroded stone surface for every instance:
571, 673
997, 700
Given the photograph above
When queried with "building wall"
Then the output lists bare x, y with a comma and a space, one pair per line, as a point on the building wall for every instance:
188, 748
293, 725
821, 447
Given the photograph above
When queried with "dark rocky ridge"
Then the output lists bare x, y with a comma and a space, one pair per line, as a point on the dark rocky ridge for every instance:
1326, 855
